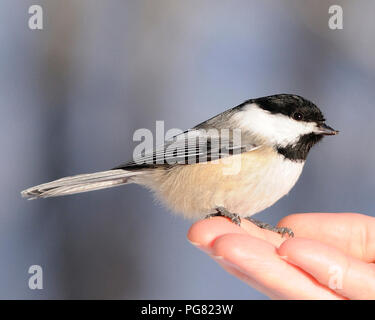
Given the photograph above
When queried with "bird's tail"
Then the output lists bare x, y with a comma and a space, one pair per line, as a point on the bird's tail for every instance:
80, 183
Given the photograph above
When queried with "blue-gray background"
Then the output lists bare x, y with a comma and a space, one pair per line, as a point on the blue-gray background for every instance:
72, 95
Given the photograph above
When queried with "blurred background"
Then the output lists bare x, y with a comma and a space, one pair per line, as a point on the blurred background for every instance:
73, 94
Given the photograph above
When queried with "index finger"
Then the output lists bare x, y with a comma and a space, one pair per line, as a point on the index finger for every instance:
203, 233
352, 233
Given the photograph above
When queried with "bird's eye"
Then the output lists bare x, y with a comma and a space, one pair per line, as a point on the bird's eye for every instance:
297, 116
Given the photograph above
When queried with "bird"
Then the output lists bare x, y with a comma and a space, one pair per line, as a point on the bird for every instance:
234, 164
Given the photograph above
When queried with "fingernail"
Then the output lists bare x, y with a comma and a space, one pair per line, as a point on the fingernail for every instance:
217, 257
284, 258
196, 244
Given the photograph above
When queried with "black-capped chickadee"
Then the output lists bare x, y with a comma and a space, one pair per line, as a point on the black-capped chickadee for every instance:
235, 164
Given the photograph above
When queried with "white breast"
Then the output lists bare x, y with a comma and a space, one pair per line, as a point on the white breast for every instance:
262, 189
195, 190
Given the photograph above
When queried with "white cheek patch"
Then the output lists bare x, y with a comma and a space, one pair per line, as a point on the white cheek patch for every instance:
274, 128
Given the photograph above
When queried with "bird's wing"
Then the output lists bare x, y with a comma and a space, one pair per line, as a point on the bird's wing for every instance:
194, 146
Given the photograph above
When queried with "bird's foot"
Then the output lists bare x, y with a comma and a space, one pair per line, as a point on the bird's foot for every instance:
222, 212
235, 218
263, 225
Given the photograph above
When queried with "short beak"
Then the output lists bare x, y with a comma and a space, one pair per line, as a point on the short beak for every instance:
326, 130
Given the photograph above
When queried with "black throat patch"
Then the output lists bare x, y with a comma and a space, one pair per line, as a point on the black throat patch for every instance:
299, 151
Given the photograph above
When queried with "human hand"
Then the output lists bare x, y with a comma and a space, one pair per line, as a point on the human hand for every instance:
331, 256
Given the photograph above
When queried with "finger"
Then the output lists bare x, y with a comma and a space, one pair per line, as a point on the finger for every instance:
348, 276
261, 267
248, 280
352, 233
270, 236
204, 232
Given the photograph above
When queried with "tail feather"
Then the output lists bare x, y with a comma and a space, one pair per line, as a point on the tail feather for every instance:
79, 183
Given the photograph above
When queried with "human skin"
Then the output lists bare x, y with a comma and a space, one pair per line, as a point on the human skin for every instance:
331, 256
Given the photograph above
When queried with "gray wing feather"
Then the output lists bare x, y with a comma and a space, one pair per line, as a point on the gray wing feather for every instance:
213, 139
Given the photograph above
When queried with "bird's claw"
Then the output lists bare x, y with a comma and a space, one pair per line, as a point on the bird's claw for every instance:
222, 212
